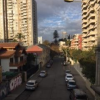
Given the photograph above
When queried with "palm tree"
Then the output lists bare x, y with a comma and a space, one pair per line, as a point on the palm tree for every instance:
55, 35
18, 38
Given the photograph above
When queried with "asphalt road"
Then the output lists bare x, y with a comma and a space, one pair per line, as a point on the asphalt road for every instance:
52, 87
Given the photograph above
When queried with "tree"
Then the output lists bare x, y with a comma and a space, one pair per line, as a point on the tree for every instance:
19, 37
87, 60
46, 42
55, 36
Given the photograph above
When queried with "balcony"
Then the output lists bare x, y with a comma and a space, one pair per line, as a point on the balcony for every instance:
84, 35
91, 2
84, 21
92, 15
17, 64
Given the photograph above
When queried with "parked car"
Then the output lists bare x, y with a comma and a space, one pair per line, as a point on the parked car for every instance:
31, 85
68, 77
67, 72
48, 65
51, 62
78, 94
43, 73
71, 84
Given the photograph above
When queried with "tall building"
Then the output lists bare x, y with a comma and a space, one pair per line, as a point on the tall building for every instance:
40, 40
76, 42
18, 16
89, 23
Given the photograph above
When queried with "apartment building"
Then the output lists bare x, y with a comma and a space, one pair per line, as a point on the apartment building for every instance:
18, 16
76, 42
40, 40
89, 23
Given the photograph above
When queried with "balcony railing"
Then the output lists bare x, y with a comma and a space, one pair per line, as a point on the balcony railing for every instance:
17, 64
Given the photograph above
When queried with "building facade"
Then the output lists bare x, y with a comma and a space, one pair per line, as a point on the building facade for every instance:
40, 40
89, 23
18, 16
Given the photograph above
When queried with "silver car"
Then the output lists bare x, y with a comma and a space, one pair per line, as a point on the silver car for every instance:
43, 73
68, 77
31, 85
71, 84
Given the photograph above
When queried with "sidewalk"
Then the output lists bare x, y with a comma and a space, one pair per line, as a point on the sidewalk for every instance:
15, 93
80, 82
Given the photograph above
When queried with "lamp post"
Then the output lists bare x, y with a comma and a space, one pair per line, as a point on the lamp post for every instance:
72, 1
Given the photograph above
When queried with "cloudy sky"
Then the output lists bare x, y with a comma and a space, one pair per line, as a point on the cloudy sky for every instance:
58, 15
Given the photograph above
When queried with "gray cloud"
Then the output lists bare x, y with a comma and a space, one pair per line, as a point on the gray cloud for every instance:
50, 8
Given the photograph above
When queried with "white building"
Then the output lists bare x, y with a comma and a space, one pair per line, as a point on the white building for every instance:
40, 40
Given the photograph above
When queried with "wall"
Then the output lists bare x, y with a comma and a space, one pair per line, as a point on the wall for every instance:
7, 87
5, 65
0, 74
79, 70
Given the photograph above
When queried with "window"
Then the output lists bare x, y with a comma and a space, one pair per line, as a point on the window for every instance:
11, 60
16, 59
21, 58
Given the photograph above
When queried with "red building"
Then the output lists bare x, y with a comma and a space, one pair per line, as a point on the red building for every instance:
80, 42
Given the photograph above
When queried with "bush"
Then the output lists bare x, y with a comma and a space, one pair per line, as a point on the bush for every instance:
87, 59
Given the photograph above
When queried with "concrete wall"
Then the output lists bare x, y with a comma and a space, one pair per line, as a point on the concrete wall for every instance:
79, 70
5, 65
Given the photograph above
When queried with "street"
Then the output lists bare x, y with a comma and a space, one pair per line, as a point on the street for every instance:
52, 87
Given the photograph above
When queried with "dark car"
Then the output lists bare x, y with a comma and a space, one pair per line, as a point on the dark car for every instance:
51, 62
78, 94
48, 65
67, 72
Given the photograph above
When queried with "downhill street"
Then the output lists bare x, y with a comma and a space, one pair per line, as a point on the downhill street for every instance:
53, 86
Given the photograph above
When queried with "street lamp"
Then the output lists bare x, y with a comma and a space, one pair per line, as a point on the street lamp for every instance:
68, 0
72, 1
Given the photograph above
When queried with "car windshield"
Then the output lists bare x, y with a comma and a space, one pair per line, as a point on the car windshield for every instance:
81, 97
43, 72
69, 76
72, 83
67, 71
29, 83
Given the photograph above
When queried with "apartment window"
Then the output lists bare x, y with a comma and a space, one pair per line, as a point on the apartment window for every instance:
11, 60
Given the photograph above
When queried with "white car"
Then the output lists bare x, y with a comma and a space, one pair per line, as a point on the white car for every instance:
68, 77
43, 73
71, 84
31, 85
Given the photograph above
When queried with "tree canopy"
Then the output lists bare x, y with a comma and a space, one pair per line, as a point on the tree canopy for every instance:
55, 36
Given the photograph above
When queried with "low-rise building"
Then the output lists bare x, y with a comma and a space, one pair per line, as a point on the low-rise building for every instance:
45, 56
42, 52
13, 57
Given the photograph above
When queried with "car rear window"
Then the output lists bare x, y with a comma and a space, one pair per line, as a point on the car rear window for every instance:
69, 76
72, 83
30, 83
